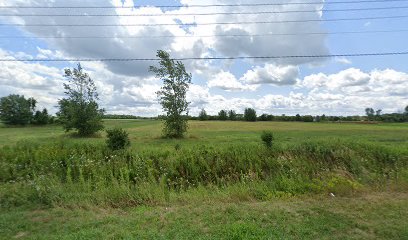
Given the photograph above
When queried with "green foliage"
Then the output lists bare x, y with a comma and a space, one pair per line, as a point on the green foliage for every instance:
267, 138
370, 113
307, 118
16, 109
80, 110
222, 115
232, 115
41, 117
250, 115
172, 95
266, 117
202, 116
49, 174
117, 139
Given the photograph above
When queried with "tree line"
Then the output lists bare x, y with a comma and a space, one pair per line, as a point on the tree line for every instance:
250, 115
18, 110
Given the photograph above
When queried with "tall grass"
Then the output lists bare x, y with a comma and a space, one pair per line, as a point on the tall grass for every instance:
64, 173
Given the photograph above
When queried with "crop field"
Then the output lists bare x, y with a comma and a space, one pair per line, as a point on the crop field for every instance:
319, 180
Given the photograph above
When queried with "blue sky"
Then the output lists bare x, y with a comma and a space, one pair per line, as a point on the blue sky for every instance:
337, 86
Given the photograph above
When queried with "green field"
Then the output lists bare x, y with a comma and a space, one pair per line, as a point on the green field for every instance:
320, 180
147, 133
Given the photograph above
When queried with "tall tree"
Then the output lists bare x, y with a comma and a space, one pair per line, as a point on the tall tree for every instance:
172, 95
250, 115
369, 113
16, 109
80, 110
202, 116
232, 115
222, 115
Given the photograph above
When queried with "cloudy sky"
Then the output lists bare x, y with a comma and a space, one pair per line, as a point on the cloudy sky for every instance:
331, 86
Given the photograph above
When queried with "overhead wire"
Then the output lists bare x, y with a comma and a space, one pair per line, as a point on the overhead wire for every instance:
203, 24
208, 36
206, 5
204, 58
205, 14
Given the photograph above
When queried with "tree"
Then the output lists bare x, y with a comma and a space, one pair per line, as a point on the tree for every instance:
202, 116
172, 95
250, 115
232, 115
369, 113
41, 117
80, 110
307, 118
265, 117
406, 109
222, 115
16, 109
298, 118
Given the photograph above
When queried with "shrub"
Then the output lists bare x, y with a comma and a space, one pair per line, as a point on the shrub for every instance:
117, 139
267, 138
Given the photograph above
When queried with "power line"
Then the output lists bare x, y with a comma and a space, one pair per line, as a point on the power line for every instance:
209, 5
197, 24
208, 36
207, 58
203, 14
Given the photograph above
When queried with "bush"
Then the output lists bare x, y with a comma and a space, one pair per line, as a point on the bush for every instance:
267, 138
117, 139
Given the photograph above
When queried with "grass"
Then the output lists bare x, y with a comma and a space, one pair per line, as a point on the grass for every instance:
146, 133
219, 183
369, 216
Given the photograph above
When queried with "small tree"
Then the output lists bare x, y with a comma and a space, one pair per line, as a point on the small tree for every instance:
222, 115
250, 115
117, 139
172, 95
232, 115
80, 110
202, 116
16, 109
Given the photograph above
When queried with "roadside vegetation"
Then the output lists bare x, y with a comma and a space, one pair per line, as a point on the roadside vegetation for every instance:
271, 179
308, 184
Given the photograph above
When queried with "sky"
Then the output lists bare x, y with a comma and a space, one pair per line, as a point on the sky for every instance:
315, 86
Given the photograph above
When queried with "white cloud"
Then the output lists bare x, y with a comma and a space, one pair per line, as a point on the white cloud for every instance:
228, 82
349, 78
128, 87
179, 47
272, 74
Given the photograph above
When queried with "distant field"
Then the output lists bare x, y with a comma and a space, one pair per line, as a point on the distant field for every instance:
319, 181
147, 133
